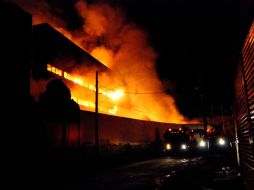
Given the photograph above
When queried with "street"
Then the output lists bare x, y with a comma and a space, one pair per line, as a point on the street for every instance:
164, 172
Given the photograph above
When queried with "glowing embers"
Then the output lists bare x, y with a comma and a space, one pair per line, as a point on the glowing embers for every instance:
114, 95
70, 77
91, 105
74, 79
54, 70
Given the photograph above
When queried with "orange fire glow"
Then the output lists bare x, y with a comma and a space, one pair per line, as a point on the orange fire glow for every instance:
123, 48
114, 95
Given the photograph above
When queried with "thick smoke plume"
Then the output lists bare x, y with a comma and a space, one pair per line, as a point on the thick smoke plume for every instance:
122, 46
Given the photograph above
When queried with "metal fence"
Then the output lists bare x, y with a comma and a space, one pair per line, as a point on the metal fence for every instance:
244, 109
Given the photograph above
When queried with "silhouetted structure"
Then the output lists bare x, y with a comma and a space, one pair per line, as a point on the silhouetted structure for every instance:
116, 130
50, 46
60, 115
16, 46
244, 109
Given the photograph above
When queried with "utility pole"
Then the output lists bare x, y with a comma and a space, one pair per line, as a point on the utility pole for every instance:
201, 93
212, 115
96, 117
222, 119
204, 113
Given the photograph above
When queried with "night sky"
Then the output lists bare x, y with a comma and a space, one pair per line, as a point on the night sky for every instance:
199, 43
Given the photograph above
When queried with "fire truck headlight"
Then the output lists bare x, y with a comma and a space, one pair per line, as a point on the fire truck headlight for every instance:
202, 143
221, 141
168, 146
183, 146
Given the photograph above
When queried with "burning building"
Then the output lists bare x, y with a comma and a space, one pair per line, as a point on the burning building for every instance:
55, 56
131, 103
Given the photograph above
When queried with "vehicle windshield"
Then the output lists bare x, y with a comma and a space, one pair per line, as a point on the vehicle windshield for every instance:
176, 136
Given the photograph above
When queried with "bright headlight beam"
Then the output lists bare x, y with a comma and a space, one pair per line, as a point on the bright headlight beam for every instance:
202, 143
183, 146
221, 141
168, 146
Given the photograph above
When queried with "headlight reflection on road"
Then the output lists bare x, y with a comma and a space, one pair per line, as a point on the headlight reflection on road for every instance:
184, 160
202, 143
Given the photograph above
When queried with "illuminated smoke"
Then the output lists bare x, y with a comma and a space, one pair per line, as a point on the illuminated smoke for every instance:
123, 47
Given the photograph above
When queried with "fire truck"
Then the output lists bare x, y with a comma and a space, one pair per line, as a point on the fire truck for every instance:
178, 140
217, 140
185, 140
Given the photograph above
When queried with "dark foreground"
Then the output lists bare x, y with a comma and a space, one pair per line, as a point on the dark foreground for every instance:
75, 170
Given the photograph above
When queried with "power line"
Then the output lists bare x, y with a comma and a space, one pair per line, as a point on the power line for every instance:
156, 92
136, 110
159, 92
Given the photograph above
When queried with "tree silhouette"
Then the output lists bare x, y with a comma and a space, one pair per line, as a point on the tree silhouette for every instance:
57, 106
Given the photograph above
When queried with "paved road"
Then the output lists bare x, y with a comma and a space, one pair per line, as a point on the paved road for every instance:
215, 172
165, 172
140, 175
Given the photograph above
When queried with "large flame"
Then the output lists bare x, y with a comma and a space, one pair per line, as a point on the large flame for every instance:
114, 95
123, 47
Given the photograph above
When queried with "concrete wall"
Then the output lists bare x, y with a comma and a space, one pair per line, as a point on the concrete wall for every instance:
117, 130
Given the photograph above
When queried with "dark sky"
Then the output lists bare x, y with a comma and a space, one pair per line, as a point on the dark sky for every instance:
199, 44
